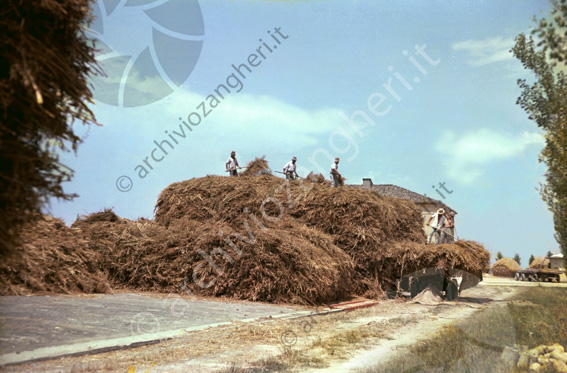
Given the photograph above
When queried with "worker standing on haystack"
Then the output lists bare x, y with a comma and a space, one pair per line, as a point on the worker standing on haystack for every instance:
448, 233
290, 169
437, 223
232, 164
335, 175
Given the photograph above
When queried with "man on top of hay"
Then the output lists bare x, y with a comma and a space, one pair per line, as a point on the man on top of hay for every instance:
448, 232
232, 164
290, 169
437, 224
335, 175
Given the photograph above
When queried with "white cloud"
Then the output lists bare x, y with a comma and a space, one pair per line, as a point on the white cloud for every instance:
468, 155
487, 51
256, 120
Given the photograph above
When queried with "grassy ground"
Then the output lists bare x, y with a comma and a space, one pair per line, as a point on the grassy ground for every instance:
534, 317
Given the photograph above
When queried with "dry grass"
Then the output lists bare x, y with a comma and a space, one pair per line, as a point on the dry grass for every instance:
535, 317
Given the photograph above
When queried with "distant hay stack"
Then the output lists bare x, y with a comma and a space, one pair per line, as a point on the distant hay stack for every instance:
505, 267
540, 262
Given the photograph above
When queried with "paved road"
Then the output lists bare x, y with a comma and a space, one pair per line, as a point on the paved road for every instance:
504, 281
40, 322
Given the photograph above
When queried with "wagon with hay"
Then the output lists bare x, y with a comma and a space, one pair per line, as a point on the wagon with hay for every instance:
539, 270
450, 282
543, 274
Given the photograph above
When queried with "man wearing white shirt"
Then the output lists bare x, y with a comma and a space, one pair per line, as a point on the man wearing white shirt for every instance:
289, 169
232, 164
437, 224
335, 172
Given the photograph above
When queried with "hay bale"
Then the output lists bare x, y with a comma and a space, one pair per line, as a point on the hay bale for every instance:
319, 178
540, 263
257, 167
104, 215
505, 267
316, 178
54, 259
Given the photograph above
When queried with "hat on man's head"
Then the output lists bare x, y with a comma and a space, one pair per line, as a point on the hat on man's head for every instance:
440, 211
336, 159
294, 159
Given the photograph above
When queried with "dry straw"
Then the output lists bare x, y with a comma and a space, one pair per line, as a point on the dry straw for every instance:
505, 267
540, 263
270, 240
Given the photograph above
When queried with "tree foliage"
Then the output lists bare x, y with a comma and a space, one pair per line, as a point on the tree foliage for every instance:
499, 255
532, 258
545, 101
45, 59
517, 258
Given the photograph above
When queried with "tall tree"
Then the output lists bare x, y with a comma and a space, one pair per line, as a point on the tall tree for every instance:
532, 258
545, 101
499, 255
517, 258
549, 254
45, 59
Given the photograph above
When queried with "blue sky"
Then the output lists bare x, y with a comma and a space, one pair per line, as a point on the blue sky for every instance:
445, 114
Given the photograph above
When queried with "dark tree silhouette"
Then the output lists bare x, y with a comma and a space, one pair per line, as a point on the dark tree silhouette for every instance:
545, 101
45, 59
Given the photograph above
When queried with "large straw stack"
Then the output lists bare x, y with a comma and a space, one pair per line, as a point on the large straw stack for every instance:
287, 262
258, 238
54, 259
377, 232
